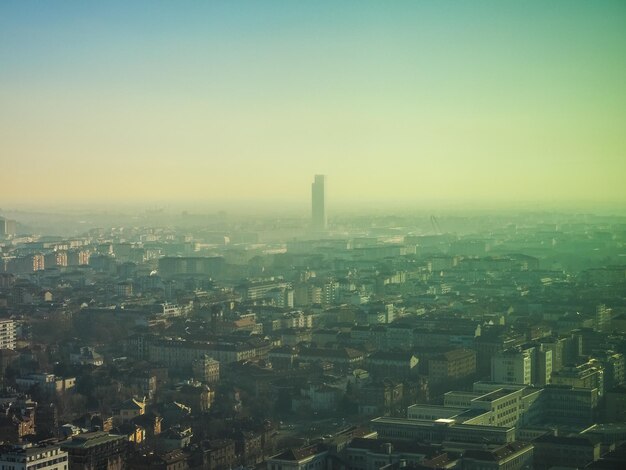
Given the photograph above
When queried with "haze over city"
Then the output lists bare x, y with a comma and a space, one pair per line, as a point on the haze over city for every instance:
323, 235
153, 104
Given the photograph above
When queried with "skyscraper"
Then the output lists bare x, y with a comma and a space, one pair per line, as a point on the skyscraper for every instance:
318, 203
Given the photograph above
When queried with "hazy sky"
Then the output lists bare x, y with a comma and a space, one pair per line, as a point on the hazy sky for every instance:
234, 101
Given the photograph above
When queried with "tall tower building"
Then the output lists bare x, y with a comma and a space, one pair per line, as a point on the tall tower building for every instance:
318, 203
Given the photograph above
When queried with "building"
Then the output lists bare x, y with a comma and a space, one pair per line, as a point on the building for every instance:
512, 367
564, 404
305, 458
513, 456
47, 383
206, 369
318, 203
17, 420
181, 353
587, 375
50, 457
615, 405
440, 430
452, 365
218, 454
26, 264
561, 451
94, 450
365, 454
173, 460
7, 334
128, 410
397, 365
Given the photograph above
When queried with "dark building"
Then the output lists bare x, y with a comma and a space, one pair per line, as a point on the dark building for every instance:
95, 451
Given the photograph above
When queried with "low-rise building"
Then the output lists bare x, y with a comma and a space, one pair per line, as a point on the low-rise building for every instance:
512, 456
305, 458
452, 365
27, 457
561, 451
96, 450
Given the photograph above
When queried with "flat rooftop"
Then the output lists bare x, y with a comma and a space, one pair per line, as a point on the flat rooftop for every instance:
495, 395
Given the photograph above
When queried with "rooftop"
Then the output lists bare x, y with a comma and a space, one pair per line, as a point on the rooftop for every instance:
90, 439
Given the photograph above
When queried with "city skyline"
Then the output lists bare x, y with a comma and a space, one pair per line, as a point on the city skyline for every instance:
433, 103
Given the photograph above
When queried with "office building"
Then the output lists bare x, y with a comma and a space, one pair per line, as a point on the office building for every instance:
318, 203
512, 367
50, 457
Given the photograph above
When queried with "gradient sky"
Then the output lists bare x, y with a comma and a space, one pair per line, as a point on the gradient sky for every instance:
219, 101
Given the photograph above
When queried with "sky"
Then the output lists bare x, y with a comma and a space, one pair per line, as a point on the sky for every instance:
242, 102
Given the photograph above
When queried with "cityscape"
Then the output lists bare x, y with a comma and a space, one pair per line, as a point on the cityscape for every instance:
312, 235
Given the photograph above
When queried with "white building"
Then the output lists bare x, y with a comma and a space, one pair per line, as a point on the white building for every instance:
512, 367
7, 334
31, 457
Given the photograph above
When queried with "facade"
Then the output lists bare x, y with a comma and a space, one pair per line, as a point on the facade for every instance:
452, 365
218, 454
562, 404
512, 367
369, 454
128, 410
440, 430
392, 364
7, 334
206, 369
49, 383
180, 353
49, 457
95, 450
561, 451
588, 375
502, 407
513, 456
318, 203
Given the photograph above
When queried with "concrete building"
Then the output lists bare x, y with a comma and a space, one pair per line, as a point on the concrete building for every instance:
440, 430
512, 367
588, 375
562, 451
28, 457
368, 454
513, 456
452, 365
7, 334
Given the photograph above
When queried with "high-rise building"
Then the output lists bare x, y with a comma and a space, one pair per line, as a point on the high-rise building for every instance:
318, 203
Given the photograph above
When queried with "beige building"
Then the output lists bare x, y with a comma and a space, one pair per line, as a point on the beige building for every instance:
206, 369
452, 365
